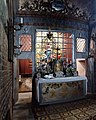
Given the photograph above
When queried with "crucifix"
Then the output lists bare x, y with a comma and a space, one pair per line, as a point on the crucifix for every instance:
57, 51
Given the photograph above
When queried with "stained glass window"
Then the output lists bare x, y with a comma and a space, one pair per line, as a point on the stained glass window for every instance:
58, 47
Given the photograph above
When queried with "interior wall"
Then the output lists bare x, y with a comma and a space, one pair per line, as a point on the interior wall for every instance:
6, 75
81, 67
16, 80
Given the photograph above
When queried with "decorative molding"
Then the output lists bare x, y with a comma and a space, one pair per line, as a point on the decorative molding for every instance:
54, 23
53, 6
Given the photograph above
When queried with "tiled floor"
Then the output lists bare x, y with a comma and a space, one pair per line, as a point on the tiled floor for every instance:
25, 85
84, 109
22, 109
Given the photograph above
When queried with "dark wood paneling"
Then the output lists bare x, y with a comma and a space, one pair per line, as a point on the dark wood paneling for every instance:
25, 66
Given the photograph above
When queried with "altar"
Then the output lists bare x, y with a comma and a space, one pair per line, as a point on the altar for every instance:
57, 90
57, 72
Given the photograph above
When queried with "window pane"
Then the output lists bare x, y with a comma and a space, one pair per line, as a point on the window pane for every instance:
25, 41
81, 45
38, 33
60, 43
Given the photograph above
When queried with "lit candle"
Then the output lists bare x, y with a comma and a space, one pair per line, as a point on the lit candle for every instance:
67, 60
21, 20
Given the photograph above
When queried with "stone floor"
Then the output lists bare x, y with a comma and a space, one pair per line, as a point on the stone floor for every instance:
84, 109
22, 109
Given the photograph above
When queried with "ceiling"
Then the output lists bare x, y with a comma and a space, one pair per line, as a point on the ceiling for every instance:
83, 5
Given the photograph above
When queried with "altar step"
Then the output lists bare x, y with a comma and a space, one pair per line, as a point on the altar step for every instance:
84, 109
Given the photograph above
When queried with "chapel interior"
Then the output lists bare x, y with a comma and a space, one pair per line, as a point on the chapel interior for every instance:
47, 60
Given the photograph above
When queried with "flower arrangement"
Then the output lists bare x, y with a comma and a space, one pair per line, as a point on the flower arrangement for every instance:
70, 70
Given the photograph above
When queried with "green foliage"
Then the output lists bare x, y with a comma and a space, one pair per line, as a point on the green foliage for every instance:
70, 71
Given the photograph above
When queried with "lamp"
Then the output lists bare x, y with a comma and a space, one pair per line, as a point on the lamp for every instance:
93, 36
20, 25
17, 52
19, 46
49, 35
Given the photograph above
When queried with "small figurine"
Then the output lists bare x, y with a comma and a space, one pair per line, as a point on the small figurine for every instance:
54, 74
69, 70
64, 68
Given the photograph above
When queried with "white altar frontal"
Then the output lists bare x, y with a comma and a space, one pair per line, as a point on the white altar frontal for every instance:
61, 89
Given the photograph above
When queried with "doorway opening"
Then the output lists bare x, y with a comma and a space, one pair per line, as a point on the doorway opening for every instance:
25, 75
81, 67
25, 63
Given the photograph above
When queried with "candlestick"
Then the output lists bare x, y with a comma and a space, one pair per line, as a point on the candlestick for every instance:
21, 20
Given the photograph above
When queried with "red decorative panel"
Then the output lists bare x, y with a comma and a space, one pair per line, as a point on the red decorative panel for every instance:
25, 40
25, 66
